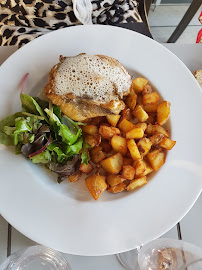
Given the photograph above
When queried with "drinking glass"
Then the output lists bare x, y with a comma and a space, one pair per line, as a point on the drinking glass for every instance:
36, 257
163, 254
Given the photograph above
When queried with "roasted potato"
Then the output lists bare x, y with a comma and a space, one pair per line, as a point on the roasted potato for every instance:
114, 180
131, 101
125, 125
150, 102
139, 84
146, 89
156, 138
156, 129
144, 145
118, 188
140, 113
125, 113
127, 161
157, 158
119, 144
167, 143
163, 113
96, 184
108, 132
134, 152
148, 168
137, 183
86, 169
106, 146
93, 140
135, 133
140, 167
152, 107
96, 154
128, 172
142, 125
113, 119
113, 164
150, 98
75, 176
90, 129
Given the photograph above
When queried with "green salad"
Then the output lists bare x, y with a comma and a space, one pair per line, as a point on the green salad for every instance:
44, 135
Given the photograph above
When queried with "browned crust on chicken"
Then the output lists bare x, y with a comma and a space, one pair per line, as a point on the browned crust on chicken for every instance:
80, 109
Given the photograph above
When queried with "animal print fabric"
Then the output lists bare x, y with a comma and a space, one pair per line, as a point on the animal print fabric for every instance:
23, 20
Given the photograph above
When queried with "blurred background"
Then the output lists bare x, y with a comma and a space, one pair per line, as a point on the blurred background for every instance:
165, 15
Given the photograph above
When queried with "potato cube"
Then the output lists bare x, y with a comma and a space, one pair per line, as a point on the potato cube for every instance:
144, 145
157, 158
135, 133
108, 132
125, 125
163, 113
90, 129
156, 138
134, 152
138, 84
137, 183
131, 101
114, 180
96, 185
140, 113
93, 140
125, 113
148, 168
106, 147
161, 130
86, 169
118, 188
139, 166
113, 164
96, 154
156, 129
119, 144
74, 177
127, 161
152, 107
113, 119
142, 125
150, 98
167, 143
132, 92
128, 172
147, 89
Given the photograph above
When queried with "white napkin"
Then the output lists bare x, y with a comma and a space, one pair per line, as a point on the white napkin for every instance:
83, 11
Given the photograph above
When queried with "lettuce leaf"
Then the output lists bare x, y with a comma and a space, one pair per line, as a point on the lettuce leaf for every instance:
67, 136
60, 156
22, 125
31, 106
85, 157
74, 149
44, 157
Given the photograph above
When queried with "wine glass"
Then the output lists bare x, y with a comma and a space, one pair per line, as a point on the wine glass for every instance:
163, 254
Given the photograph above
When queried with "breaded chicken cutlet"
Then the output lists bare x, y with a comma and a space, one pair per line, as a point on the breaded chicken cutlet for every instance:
86, 86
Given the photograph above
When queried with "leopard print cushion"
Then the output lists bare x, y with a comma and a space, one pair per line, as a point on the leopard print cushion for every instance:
23, 20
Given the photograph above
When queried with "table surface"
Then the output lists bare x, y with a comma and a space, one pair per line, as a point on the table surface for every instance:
189, 228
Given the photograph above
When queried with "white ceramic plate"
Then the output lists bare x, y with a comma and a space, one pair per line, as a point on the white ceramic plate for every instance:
66, 217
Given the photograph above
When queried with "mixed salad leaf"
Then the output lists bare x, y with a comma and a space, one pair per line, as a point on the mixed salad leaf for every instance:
44, 135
